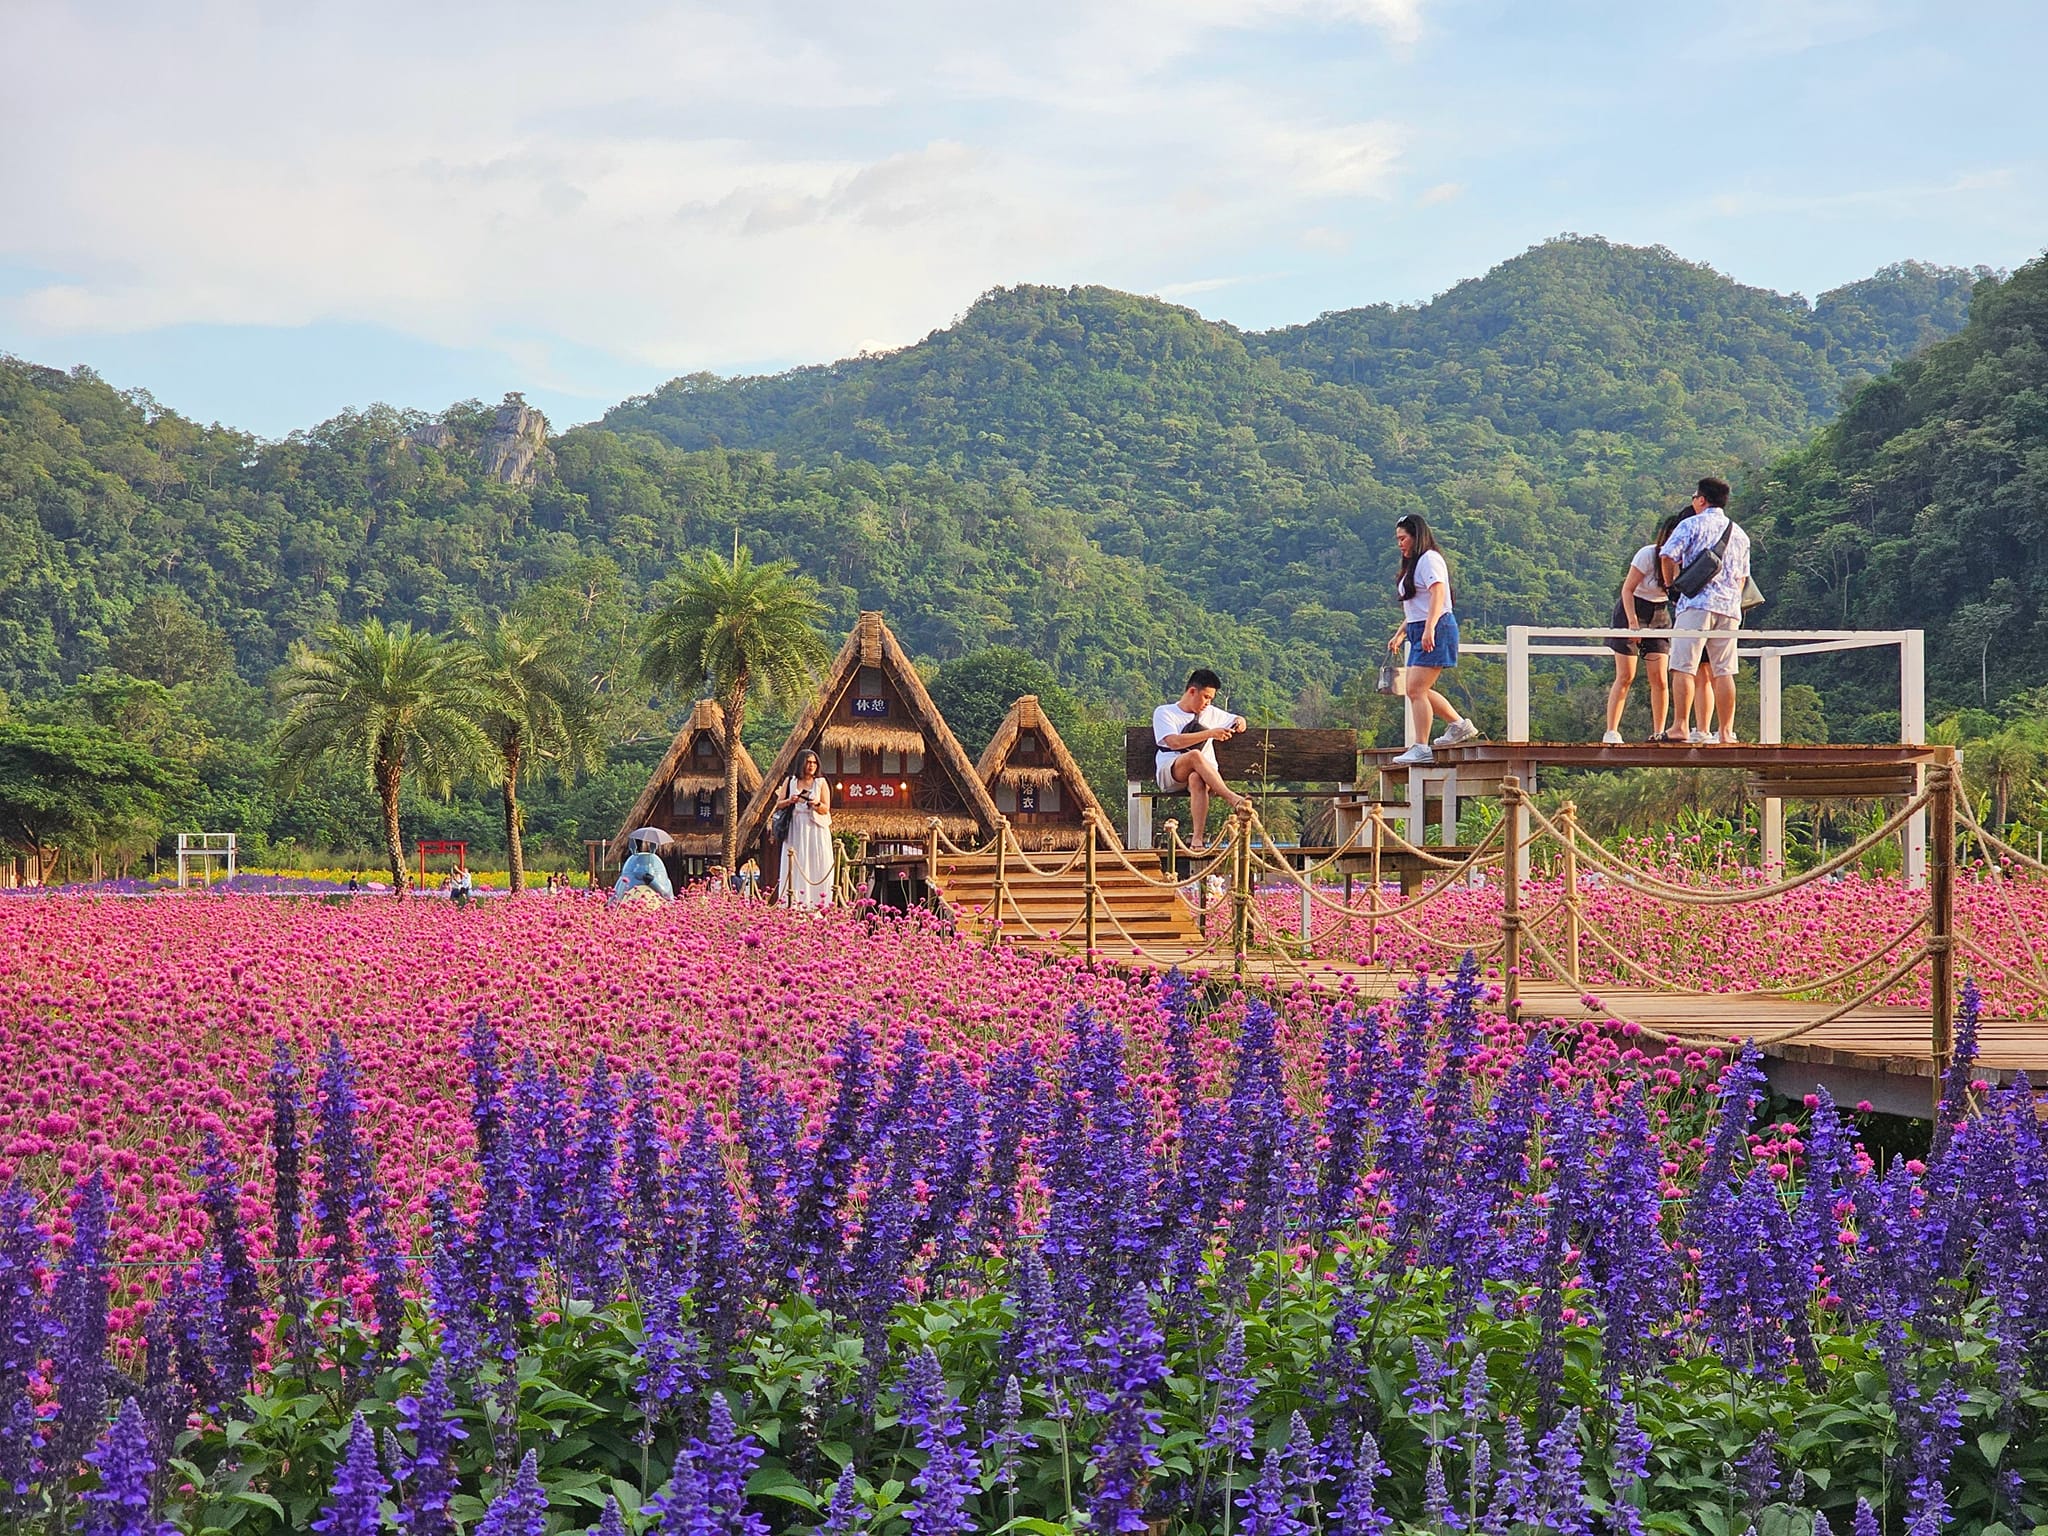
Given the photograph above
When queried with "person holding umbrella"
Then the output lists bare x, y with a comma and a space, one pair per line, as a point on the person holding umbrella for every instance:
643, 877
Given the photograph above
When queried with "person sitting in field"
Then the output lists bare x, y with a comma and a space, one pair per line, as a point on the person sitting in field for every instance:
1184, 734
643, 877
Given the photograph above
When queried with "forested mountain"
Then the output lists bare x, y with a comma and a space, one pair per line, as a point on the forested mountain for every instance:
1540, 416
1925, 504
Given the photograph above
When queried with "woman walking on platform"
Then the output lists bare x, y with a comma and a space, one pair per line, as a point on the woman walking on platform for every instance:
1430, 632
1643, 605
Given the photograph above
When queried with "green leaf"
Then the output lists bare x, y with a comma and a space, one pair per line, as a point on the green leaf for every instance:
776, 1483
1993, 1443
257, 1500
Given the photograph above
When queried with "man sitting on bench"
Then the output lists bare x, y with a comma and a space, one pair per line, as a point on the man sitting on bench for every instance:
1184, 734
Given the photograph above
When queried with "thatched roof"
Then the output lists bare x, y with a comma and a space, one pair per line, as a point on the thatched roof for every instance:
995, 766
676, 771
863, 737
872, 645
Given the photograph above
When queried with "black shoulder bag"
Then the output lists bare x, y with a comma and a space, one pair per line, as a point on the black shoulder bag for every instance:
1702, 568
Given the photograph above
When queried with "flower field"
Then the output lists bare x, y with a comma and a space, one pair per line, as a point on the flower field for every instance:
536, 1217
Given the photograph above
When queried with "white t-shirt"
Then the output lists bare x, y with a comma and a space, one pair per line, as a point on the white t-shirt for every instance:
1429, 571
1171, 720
1651, 588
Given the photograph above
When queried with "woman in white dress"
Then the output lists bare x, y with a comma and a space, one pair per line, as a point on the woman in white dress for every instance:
806, 881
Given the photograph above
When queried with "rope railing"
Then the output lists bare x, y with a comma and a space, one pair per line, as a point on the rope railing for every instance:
1686, 895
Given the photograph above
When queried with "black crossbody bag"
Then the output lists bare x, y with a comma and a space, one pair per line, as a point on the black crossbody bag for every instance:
1702, 568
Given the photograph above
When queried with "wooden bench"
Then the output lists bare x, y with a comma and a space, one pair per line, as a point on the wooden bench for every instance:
1310, 761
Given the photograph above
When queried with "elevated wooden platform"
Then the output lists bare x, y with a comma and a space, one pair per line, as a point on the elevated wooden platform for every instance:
1874, 1055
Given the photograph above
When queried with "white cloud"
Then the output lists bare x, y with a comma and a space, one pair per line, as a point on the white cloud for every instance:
677, 184
1442, 192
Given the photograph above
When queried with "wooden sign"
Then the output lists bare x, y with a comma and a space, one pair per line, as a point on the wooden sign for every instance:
870, 709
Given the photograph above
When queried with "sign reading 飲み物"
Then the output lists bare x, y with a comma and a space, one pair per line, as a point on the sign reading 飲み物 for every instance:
872, 791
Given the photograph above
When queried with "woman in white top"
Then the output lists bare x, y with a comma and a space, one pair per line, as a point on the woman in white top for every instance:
1643, 605
1430, 632
806, 881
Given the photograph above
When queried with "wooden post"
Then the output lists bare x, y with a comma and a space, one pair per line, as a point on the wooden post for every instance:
1570, 821
1511, 894
1241, 893
1002, 872
1372, 898
1941, 900
1088, 888
931, 859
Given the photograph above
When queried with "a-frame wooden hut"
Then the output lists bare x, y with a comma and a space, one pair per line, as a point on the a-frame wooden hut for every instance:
686, 795
889, 756
1035, 781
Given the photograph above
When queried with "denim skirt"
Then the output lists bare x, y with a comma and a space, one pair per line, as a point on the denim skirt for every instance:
1445, 653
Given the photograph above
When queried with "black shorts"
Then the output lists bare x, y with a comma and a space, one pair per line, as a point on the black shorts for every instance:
1655, 619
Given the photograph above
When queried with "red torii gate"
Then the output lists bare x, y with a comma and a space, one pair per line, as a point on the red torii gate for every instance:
437, 846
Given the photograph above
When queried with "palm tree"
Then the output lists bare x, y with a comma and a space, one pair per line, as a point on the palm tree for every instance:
394, 698
2002, 763
533, 708
735, 625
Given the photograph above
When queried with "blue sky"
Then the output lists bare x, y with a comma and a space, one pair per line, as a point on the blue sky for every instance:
265, 214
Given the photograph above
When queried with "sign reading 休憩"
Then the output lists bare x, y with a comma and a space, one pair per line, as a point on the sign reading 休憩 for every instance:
871, 709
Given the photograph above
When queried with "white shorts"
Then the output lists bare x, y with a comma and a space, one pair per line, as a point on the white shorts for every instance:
1163, 763
1697, 629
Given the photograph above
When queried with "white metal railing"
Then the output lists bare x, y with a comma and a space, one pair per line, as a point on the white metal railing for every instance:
1769, 648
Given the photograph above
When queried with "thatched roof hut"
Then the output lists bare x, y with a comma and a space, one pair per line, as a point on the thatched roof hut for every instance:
892, 761
1035, 781
686, 795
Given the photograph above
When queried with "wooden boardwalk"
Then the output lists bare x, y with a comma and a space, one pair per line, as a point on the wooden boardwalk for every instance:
1877, 1055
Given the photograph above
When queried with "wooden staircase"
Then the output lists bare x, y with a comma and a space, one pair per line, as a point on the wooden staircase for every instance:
1152, 915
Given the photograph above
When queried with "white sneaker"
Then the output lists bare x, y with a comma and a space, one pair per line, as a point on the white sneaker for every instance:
1417, 756
1724, 738
1611, 739
1457, 732
1699, 739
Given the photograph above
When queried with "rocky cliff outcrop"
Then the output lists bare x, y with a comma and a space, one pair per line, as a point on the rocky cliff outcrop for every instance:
517, 445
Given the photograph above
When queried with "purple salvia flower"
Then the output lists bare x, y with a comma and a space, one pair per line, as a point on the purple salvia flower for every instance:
1436, 1496
1425, 1393
1514, 1492
1742, 1088
1230, 1431
387, 1273
342, 1158
21, 1342
78, 1350
685, 1509
646, 1151
1560, 1487
949, 1200
1626, 1253
1756, 1471
1866, 1523
726, 1458
612, 1522
1132, 1365
1009, 1439
1260, 1130
1271, 1504
539, 1148
1012, 1116
845, 1515
430, 1481
452, 1290
815, 1231
710, 1227
352, 1507
1357, 1511
220, 1197
1346, 1115
119, 1506
1567, 1197
287, 1198
1494, 1165
1955, 1081
591, 1247
945, 1484
521, 1509
769, 1127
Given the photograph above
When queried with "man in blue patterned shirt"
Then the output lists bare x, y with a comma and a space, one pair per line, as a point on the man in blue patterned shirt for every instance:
1706, 623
